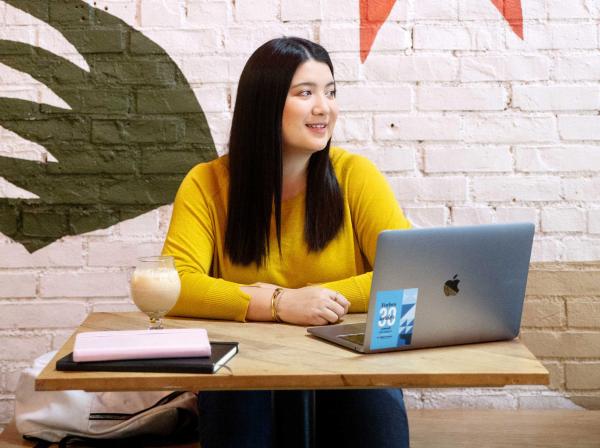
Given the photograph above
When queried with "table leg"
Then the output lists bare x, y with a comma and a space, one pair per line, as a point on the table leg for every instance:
294, 422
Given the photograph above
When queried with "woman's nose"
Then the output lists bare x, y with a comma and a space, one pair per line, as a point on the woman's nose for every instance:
320, 107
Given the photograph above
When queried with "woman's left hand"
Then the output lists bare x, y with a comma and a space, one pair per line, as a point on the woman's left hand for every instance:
311, 305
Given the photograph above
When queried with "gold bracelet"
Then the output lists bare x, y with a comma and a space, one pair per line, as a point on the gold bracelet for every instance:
274, 302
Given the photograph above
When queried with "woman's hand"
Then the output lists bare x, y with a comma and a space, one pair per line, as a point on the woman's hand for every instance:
311, 305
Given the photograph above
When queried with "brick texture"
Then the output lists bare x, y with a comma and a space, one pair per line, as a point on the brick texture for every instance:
557, 376
583, 312
18, 285
470, 123
544, 313
23, 347
554, 280
84, 284
553, 344
561, 325
479, 158
30, 315
584, 375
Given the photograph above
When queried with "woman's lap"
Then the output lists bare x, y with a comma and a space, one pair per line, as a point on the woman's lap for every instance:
362, 418
349, 418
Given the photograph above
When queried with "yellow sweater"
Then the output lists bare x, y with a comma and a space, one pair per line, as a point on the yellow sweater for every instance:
210, 282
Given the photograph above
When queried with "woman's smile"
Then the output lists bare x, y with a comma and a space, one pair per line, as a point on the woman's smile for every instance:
318, 128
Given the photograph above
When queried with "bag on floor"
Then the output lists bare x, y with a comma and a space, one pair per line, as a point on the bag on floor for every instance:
62, 416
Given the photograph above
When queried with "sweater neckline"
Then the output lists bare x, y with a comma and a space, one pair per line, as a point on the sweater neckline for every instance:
294, 199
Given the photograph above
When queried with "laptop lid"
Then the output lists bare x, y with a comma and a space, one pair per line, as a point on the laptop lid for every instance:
447, 286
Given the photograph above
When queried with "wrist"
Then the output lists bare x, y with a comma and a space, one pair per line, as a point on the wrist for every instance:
275, 298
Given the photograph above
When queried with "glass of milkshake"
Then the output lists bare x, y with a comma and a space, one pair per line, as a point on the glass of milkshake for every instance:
155, 287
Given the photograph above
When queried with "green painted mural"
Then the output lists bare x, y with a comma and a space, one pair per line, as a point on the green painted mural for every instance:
134, 128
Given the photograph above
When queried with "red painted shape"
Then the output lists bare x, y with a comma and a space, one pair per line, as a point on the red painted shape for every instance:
513, 13
373, 13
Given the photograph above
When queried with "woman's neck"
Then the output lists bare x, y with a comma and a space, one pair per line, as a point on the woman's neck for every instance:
294, 175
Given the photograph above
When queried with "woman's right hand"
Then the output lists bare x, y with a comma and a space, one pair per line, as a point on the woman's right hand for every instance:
311, 305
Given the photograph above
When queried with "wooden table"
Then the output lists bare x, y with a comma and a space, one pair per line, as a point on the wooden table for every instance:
280, 356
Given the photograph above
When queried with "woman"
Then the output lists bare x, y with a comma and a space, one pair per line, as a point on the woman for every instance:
284, 228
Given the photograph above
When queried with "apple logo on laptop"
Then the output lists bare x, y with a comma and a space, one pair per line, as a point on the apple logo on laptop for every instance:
451, 286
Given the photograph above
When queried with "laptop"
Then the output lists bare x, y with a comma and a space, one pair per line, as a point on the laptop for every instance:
442, 286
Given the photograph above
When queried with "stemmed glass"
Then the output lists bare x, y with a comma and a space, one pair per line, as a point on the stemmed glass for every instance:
155, 287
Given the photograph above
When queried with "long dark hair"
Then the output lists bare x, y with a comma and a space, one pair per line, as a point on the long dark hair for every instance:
256, 160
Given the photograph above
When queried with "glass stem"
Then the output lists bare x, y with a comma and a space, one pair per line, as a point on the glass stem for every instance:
155, 323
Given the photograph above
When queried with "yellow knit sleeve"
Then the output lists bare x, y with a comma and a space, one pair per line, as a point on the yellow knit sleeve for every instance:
373, 208
191, 240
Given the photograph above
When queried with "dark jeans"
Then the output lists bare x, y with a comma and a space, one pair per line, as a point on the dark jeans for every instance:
348, 418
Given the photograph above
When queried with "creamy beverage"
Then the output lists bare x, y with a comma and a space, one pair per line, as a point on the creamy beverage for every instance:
155, 290
155, 287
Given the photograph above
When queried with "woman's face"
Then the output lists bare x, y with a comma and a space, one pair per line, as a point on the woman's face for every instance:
310, 109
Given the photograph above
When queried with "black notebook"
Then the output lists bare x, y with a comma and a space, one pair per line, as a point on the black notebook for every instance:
221, 352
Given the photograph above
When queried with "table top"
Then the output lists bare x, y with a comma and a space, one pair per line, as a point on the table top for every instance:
281, 356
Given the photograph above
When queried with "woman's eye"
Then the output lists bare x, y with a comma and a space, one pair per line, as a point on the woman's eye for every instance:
332, 93
305, 93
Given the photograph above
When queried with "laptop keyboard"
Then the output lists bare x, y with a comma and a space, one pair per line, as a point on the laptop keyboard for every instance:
355, 333
358, 338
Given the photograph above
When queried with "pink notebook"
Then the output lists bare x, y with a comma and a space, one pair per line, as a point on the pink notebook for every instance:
141, 344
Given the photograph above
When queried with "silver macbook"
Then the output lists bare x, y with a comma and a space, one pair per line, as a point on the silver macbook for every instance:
442, 286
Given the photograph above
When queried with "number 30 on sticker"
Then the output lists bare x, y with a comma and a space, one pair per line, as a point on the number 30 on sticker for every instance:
387, 315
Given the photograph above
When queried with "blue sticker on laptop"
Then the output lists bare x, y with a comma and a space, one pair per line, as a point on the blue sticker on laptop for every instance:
394, 318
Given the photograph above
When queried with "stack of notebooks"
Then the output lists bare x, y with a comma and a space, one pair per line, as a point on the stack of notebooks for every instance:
182, 350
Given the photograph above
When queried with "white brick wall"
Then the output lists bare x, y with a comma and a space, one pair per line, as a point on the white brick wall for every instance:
427, 216
577, 67
457, 37
594, 221
512, 214
473, 97
206, 13
576, 9
430, 188
557, 36
352, 127
411, 68
448, 159
528, 97
558, 159
581, 189
214, 98
293, 10
505, 67
472, 215
161, 14
182, 42
504, 189
563, 219
359, 98
470, 123
417, 127
510, 129
435, 10
249, 11
579, 127
338, 37
18, 285
61, 253
83, 284
145, 225
393, 36
33, 314
120, 253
